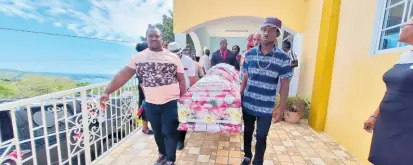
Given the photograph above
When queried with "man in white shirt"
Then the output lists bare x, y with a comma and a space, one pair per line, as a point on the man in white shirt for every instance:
189, 65
205, 60
189, 73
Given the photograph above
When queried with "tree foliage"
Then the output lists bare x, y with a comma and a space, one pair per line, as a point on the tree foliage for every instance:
167, 27
5, 92
81, 84
189, 42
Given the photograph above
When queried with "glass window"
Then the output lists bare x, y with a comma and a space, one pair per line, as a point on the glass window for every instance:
392, 2
389, 38
396, 13
393, 16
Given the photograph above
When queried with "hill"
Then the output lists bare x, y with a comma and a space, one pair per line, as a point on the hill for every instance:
19, 84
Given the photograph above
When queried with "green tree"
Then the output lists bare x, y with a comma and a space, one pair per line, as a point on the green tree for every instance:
81, 84
167, 27
6, 92
189, 42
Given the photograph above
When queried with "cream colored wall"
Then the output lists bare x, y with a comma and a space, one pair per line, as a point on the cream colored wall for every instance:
357, 87
310, 44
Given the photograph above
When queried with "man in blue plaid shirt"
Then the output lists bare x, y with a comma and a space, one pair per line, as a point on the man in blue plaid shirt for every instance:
264, 65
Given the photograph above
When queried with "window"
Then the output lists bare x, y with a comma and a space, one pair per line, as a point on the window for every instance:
393, 13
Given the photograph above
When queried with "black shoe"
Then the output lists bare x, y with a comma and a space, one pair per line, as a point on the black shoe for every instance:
161, 160
180, 145
246, 161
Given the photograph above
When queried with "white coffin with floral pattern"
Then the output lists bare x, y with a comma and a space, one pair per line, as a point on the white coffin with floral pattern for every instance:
213, 104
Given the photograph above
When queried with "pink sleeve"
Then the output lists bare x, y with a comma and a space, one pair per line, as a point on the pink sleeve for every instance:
180, 66
132, 62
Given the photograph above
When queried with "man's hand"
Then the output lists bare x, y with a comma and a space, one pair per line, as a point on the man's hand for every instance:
278, 114
103, 99
182, 83
118, 81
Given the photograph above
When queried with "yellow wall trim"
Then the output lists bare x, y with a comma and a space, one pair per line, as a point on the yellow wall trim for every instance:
324, 63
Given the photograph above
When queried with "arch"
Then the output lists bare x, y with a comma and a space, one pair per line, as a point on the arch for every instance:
250, 19
218, 20
197, 43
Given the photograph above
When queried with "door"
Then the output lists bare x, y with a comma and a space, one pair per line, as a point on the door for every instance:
297, 49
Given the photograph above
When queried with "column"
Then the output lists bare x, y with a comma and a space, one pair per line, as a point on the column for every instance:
324, 63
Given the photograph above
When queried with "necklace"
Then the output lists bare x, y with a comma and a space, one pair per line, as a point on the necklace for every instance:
269, 63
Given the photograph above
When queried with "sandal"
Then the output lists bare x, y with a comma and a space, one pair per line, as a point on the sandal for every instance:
148, 132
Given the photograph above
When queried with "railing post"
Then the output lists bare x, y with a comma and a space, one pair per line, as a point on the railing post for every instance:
16, 139
85, 124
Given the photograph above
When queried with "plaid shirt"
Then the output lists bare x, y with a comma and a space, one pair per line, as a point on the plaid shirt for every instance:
263, 72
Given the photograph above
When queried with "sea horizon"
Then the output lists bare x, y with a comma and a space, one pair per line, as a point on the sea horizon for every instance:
92, 78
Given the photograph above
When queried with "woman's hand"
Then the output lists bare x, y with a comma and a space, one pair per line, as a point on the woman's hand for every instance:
369, 124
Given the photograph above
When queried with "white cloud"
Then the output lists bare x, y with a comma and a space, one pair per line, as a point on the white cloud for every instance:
57, 24
121, 19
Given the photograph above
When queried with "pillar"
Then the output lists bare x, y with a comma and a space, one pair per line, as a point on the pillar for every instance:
324, 63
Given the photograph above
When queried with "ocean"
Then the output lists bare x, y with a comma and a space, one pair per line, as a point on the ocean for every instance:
77, 77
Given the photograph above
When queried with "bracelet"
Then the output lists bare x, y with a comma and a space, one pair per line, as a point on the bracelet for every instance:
372, 116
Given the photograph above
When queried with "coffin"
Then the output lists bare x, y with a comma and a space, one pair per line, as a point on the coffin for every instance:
213, 104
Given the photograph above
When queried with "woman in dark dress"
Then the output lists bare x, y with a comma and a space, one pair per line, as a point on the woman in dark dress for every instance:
392, 122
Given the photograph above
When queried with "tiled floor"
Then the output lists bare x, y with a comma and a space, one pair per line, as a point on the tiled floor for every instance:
287, 145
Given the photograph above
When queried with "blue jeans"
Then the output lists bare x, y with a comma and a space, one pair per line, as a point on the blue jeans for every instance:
263, 126
164, 122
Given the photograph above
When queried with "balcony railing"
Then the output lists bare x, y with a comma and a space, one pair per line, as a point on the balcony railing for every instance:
67, 128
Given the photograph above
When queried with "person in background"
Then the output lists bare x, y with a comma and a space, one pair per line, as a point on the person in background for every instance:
199, 70
290, 53
264, 64
193, 55
223, 55
255, 41
236, 51
165, 44
160, 71
250, 44
391, 123
205, 60
190, 79
139, 48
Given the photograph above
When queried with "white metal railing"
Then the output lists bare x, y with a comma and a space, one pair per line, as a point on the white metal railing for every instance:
66, 127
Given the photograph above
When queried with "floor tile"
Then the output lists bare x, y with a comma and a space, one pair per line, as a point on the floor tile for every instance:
286, 145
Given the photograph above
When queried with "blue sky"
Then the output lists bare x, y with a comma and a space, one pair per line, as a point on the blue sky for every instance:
108, 19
